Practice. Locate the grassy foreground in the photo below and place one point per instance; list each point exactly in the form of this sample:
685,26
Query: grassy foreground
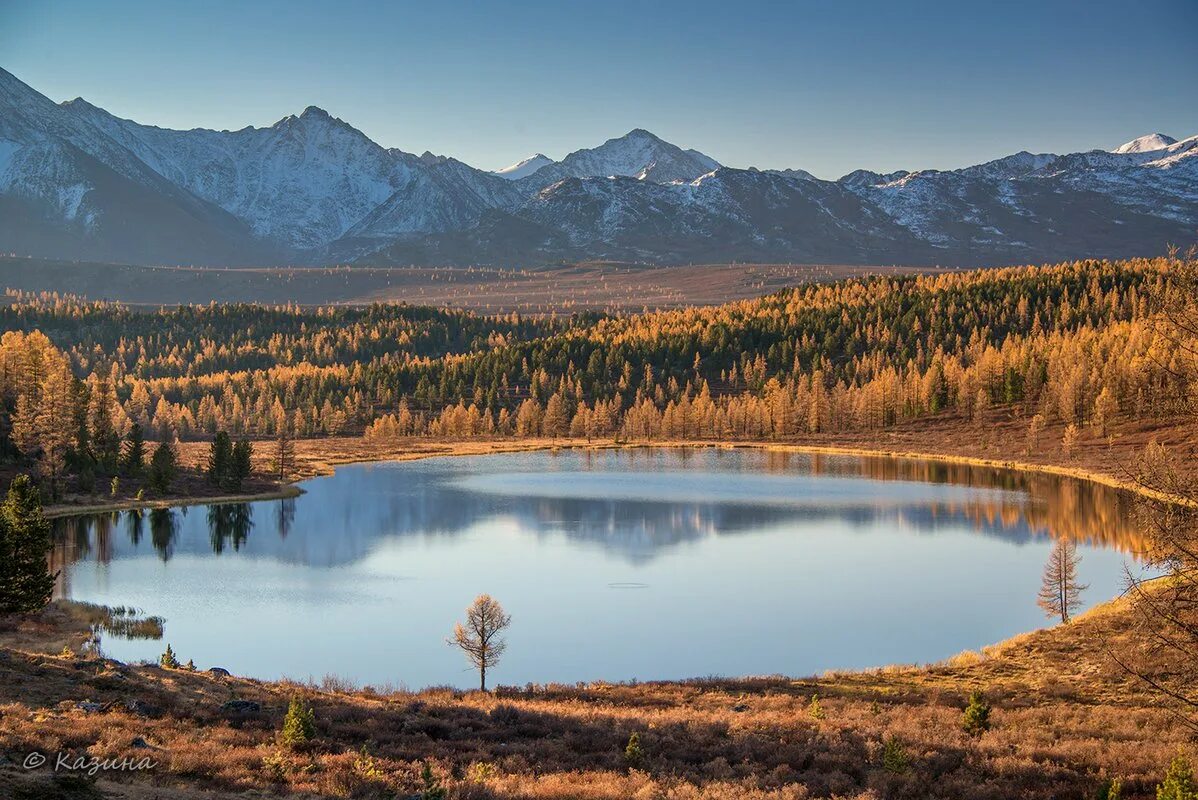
1065,717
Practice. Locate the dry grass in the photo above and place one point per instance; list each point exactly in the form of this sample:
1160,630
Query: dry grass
1065,716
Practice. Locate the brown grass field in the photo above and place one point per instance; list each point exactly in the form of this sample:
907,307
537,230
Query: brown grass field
1066,715
561,289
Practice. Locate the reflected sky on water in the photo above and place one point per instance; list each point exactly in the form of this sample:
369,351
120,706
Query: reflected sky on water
616,564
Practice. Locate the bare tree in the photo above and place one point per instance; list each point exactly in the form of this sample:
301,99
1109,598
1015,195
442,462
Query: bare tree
284,461
1060,593
1165,596
479,637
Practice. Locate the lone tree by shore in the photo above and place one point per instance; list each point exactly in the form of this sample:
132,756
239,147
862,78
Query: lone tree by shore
1060,593
26,583
479,637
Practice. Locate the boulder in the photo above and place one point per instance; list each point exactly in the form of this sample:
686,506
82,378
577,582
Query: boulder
240,707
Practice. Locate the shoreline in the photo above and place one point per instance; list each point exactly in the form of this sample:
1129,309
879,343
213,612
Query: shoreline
417,449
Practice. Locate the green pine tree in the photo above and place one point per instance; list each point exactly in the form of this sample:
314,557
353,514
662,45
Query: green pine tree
1179,781
634,754
976,719
164,467
242,464
220,459
133,457
433,790
299,726
26,583
894,756
167,660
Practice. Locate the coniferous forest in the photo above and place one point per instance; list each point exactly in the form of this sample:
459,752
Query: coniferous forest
1075,344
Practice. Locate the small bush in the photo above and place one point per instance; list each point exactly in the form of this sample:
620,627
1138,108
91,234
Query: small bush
480,772
168,660
815,709
976,720
634,754
367,768
1111,789
433,790
894,756
299,726
275,766
1179,781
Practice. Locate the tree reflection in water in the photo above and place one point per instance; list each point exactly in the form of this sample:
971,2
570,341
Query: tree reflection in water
345,515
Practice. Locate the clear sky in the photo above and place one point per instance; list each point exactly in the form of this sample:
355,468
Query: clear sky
826,86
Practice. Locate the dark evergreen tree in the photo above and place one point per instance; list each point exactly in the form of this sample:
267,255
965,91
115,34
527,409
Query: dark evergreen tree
242,464
26,582
220,460
133,459
164,467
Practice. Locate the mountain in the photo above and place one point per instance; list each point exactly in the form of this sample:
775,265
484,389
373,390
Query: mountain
522,169
79,182
637,154
1146,144
68,189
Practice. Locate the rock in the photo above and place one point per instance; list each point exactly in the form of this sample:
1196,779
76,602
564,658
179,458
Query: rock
140,708
240,707
141,744
89,707
219,672
740,707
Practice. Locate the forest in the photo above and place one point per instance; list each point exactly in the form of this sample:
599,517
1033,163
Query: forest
1074,343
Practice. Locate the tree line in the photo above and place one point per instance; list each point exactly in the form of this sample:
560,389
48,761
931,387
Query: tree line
1075,343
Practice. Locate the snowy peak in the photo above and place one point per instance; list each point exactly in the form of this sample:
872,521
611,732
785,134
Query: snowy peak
524,168
1145,144
637,154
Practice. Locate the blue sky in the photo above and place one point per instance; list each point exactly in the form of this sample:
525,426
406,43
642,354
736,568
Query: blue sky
826,86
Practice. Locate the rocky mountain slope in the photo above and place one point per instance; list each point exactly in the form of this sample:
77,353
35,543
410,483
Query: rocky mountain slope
77,181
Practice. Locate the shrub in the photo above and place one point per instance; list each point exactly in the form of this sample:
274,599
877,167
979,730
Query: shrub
894,756
1111,789
115,486
1179,781
976,719
480,771
634,754
168,660
299,726
433,790
815,709
275,766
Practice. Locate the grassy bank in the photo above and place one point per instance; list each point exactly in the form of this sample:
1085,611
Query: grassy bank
1064,718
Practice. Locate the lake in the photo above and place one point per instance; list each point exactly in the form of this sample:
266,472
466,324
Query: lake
614,565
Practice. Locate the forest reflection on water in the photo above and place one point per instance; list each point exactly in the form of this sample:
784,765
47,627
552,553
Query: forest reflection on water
1020,505
615,518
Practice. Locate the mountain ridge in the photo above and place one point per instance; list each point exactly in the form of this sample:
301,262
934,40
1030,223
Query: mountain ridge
78,181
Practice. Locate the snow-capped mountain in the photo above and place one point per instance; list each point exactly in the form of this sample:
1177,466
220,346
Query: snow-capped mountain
79,182
524,168
69,189
1146,144
637,154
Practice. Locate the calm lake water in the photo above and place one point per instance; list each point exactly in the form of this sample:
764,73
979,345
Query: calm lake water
614,565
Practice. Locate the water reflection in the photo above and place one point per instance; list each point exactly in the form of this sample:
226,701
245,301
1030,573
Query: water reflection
635,503
891,561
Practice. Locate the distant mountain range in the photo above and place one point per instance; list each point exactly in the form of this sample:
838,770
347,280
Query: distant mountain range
78,182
